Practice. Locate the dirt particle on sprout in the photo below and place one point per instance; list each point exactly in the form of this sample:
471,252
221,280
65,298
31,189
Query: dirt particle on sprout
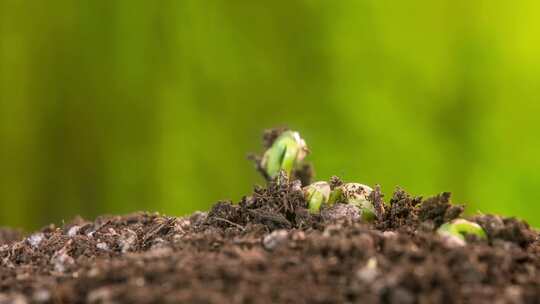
335,182
340,211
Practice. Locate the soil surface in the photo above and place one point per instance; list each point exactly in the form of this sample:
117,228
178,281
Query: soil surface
269,249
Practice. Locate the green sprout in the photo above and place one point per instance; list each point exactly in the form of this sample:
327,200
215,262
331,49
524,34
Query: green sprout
458,228
317,194
286,153
336,196
357,195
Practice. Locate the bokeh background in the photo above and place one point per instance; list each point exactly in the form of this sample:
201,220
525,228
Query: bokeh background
117,106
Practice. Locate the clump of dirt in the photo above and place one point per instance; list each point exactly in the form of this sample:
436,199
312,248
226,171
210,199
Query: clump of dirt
507,229
279,206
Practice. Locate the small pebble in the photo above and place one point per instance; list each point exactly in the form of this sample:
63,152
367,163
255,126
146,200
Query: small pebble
35,239
389,234
159,243
73,231
298,235
127,240
100,295
453,241
62,260
198,217
275,239
369,272
41,296
102,246
296,185
513,295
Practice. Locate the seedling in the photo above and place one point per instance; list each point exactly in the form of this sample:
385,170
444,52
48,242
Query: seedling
357,195
336,196
459,228
317,194
286,153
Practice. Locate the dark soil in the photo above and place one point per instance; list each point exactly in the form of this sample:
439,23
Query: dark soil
269,249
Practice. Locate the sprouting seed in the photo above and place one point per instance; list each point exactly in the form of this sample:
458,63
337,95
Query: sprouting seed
458,228
357,195
317,194
286,153
336,195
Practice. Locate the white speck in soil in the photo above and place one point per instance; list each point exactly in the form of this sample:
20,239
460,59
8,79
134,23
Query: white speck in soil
275,239
41,296
513,294
198,217
73,231
100,295
389,234
35,239
61,260
453,241
298,236
127,240
102,246
369,272
158,243
296,186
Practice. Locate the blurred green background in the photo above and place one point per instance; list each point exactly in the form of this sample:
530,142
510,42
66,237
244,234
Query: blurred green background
118,106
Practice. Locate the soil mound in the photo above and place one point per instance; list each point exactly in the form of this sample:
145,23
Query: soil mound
269,249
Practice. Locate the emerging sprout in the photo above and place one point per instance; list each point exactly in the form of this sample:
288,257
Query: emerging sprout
357,195
336,195
316,194
286,153
458,228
